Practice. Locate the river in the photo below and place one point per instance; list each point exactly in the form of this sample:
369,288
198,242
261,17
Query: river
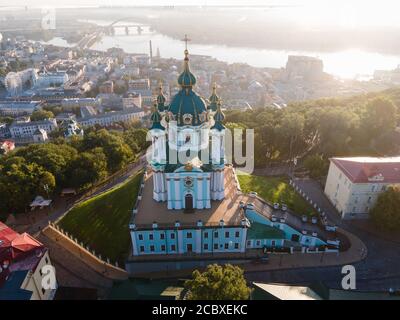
347,64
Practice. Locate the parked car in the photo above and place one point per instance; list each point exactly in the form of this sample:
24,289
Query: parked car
276,205
253,194
284,207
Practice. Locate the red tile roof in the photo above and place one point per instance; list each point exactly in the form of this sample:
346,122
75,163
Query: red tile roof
370,169
18,251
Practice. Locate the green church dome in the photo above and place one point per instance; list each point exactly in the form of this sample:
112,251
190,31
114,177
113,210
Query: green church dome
156,120
214,99
186,78
161,99
187,107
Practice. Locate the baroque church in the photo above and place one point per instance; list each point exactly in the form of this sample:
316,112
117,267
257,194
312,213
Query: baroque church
187,156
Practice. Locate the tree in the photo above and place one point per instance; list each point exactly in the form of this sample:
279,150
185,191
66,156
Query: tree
88,168
379,117
316,165
116,150
386,212
218,283
54,158
20,182
136,139
41,115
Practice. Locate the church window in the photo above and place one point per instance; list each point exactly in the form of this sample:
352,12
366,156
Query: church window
206,246
189,235
151,237
173,248
188,181
172,235
236,245
215,246
226,246
188,138
205,235
216,234
152,248
162,247
140,236
187,118
237,234
226,234
162,236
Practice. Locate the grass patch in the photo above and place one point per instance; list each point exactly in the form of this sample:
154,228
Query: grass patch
102,221
276,189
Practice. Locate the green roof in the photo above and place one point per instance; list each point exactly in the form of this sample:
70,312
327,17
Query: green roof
262,231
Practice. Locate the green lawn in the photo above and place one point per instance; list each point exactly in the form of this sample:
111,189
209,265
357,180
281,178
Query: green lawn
275,189
102,222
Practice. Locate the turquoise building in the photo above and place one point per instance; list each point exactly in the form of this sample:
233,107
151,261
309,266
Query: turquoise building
190,202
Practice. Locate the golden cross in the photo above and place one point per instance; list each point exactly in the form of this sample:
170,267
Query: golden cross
186,39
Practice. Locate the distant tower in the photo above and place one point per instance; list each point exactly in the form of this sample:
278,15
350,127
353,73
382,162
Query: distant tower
151,52
158,53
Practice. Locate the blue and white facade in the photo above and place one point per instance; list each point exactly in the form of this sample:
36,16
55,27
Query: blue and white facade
190,200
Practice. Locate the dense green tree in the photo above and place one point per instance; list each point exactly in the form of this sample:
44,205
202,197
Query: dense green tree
54,158
41,115
20,182
218,283
88,168
379,117
316,165
136,139
118,153
386,212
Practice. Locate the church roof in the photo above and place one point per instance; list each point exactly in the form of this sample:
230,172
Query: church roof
186,78
214,99
218,118
156,119
188,102
161,99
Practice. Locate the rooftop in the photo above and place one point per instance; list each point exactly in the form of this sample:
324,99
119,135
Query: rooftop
228,209
370,169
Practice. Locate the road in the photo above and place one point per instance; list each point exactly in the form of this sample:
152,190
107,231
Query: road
380,270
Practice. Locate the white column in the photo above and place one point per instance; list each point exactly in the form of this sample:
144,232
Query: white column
178,200
199,196
208,195
169,191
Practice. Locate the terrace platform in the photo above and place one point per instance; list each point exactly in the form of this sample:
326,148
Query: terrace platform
228,210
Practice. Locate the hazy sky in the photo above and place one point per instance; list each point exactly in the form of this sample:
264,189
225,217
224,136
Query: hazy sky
342,12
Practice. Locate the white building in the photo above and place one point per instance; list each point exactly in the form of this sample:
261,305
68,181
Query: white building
28,129
51,79
354,184
109,118
18,108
